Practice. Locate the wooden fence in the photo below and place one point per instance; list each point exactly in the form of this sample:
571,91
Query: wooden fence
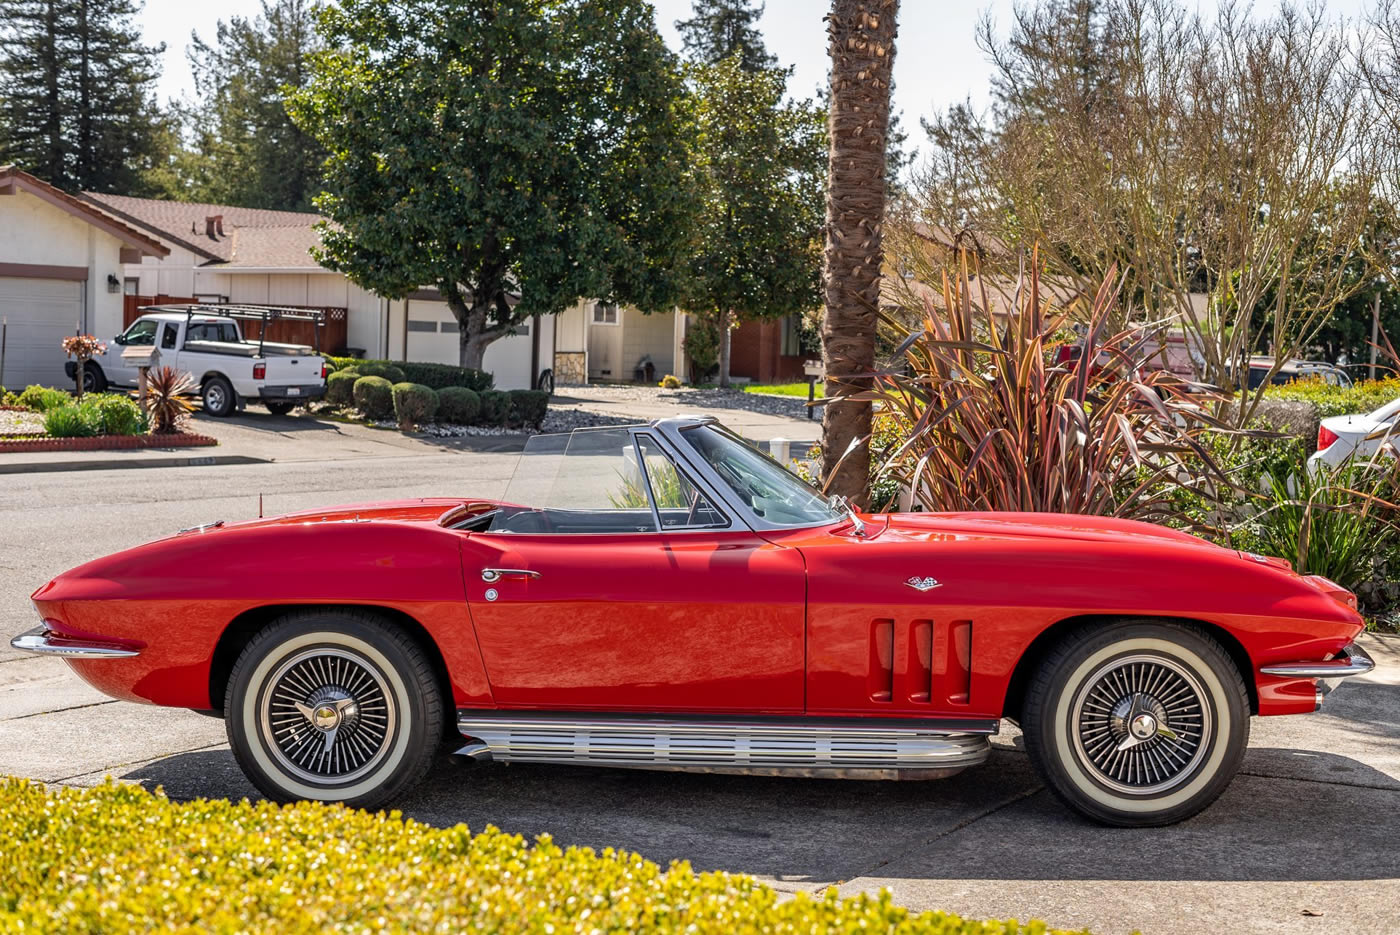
333,332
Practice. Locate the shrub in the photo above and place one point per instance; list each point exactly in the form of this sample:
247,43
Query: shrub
495,407
670,382
458,405
414,403
168,399
380,368
528,407
72,422
118,858
43,398
374,396
340,387
117,414
437,376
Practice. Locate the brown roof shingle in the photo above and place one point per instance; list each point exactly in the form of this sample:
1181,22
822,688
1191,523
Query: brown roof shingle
184,222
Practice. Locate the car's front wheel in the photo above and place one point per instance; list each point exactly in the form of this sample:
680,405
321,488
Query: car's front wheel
334,706
1137,723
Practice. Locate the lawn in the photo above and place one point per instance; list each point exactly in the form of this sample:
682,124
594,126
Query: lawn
784,389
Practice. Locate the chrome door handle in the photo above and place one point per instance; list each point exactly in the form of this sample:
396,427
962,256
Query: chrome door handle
496,574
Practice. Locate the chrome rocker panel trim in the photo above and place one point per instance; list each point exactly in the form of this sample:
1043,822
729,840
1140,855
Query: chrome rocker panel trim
45,642
1353,660
764,748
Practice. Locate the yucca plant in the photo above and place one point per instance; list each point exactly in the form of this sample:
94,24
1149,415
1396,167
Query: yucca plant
993,422
168,399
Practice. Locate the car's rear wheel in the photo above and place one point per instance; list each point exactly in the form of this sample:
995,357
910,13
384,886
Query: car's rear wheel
1137,723
334,706
218,396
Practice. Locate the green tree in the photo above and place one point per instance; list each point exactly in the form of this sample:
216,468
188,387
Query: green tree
760,173
723,28
77,94
252,153
518,156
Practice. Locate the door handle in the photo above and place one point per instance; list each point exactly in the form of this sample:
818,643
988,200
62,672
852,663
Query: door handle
496,574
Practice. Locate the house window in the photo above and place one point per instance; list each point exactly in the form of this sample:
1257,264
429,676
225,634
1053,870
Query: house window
414,325
604,314
131,286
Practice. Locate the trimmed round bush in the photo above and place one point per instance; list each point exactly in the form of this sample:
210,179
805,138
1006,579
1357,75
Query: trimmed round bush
118,858
117,414
44,398
528,407
340,387
73,422
374,396
438,376
379,368
458,405
495,407
414,403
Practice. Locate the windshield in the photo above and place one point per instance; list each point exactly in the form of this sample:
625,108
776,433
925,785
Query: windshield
764,485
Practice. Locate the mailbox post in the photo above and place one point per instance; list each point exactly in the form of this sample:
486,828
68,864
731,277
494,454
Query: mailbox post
143,358
815,370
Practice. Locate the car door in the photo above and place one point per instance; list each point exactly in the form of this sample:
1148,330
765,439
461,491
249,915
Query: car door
142,333
635,593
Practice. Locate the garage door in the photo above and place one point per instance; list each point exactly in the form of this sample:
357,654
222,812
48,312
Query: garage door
41,313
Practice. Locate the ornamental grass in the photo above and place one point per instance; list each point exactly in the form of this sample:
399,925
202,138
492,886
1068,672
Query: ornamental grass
118,859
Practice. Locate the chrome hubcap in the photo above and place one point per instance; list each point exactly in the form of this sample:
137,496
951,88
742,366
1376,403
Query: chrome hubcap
328,715
1140,724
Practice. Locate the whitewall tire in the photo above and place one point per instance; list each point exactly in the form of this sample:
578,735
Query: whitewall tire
1137,723
333,706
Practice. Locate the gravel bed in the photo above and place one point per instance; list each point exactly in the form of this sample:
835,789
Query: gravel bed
14,422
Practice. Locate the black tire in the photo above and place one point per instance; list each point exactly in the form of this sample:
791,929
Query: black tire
94,380
280,409
1137,723
219,398
286,706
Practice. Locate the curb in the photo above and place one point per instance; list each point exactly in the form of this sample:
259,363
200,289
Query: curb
45,444
112,464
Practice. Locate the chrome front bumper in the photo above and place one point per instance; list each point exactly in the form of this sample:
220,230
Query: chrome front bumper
1352,660
45,642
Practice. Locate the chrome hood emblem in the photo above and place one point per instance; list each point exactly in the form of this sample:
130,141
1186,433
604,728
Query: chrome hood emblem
923,584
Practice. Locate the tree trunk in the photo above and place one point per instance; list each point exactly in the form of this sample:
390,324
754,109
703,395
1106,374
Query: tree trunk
862,36
473,335
724,347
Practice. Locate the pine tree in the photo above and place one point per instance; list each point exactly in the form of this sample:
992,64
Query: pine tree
77,86
721,28
252,153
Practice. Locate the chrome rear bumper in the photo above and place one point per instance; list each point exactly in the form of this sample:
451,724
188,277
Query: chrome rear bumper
45,642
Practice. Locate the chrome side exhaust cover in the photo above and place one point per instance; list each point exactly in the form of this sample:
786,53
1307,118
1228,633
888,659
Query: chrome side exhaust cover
763,748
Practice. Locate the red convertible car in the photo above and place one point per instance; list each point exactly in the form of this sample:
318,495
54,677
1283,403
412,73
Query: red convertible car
664,596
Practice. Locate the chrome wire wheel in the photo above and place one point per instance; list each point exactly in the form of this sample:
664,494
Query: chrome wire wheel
327,715
1141,724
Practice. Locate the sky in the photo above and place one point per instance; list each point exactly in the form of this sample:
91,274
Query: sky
937,62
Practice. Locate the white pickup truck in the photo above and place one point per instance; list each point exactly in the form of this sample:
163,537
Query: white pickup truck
209,345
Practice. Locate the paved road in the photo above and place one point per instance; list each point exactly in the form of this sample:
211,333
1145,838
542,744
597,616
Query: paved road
1311,826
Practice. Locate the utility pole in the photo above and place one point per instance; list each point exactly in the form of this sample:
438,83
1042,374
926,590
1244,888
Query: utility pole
1375,329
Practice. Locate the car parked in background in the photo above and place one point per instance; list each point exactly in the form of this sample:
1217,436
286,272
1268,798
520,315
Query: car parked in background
207,342
1357,436
1292,370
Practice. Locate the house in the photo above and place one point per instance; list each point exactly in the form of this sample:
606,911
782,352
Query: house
61,263
223,253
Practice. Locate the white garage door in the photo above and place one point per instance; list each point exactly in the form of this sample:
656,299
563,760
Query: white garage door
41,313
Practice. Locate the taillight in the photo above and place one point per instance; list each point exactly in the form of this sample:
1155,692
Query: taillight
1325,438
325,371
259,371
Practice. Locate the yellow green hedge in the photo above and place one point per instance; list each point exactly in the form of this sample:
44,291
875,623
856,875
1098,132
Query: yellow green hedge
118,859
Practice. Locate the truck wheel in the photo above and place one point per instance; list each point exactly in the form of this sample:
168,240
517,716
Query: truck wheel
219,400
333,706
280,409
94,380
1138,723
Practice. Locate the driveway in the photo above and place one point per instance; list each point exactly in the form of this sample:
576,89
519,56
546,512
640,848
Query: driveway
1304,841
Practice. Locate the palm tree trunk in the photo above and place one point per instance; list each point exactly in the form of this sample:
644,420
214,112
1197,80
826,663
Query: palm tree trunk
862,36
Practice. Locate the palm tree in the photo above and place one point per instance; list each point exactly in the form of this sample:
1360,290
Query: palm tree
862,58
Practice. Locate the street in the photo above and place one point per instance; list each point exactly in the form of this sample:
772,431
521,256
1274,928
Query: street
1304,841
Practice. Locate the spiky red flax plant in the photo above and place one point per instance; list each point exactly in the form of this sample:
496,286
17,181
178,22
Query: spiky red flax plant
995,420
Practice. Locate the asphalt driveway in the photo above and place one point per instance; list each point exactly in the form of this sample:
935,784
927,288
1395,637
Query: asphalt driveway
1304,841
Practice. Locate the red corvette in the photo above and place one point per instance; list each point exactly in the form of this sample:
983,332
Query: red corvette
664,596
